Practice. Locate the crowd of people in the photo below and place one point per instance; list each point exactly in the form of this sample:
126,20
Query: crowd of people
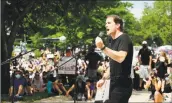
49,74
153,72
56,73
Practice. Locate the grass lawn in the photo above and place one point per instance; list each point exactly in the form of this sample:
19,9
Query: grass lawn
28,99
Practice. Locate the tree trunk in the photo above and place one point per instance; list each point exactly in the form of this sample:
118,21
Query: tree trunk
5,75
7,46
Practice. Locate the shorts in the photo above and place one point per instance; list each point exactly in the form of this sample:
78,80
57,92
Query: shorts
143,71
54,91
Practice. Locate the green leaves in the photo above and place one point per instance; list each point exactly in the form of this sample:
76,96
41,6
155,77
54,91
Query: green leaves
80,35
78,21
156,22
36,39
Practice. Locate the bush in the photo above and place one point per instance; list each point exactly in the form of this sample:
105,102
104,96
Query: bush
37,53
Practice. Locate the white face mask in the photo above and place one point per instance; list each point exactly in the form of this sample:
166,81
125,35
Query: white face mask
18,76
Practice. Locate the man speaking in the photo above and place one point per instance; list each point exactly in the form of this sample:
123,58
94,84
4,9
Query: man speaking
120,51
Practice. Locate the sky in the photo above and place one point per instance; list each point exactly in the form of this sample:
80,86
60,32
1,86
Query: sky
138,7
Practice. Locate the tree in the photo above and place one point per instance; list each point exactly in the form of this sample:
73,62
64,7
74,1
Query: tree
77,23
13,12
156,22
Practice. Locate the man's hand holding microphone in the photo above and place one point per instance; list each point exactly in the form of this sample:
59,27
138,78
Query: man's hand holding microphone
99,44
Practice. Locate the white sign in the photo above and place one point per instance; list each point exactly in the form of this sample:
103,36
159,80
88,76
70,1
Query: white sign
102,93
67,68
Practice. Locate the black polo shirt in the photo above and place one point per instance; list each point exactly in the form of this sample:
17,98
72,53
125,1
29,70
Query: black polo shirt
145,53
122,43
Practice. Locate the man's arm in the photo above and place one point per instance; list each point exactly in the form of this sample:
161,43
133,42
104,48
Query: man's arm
150,60
139,59
118,56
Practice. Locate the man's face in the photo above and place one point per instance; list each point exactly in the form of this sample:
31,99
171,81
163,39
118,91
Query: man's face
111,27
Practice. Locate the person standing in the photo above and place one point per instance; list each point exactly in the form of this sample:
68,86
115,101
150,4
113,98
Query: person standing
93,59
145,60
120,51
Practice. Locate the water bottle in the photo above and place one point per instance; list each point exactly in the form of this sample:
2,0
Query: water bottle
67,79
67,82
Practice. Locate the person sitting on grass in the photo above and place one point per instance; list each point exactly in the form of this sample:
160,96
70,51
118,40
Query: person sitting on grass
78,86
37,83
28,89
90,89
54,86
82,89
19,84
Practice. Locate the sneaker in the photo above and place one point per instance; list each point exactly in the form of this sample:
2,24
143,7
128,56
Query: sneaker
18,97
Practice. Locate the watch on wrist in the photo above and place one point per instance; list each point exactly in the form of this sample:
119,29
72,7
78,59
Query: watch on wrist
103,48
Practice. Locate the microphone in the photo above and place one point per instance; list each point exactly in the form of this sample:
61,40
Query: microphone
104,37
101,34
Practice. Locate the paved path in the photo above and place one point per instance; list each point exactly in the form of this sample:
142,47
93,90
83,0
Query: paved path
137,96
143,96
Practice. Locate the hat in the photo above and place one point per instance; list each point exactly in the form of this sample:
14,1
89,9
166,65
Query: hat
68,48
144,42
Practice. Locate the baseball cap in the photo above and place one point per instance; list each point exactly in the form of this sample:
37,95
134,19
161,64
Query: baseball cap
144,42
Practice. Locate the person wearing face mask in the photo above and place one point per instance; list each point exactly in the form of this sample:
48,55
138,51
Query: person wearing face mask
145,60
19,84
161,67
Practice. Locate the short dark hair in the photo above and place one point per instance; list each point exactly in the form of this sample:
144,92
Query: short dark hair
88,80
117,20
18,71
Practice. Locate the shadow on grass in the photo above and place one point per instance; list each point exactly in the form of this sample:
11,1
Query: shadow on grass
29,99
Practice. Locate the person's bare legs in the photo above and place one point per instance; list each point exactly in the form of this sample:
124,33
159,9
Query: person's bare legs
11,91
20,90
163,84
140,85
64,89
42,89
158,97
55,86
